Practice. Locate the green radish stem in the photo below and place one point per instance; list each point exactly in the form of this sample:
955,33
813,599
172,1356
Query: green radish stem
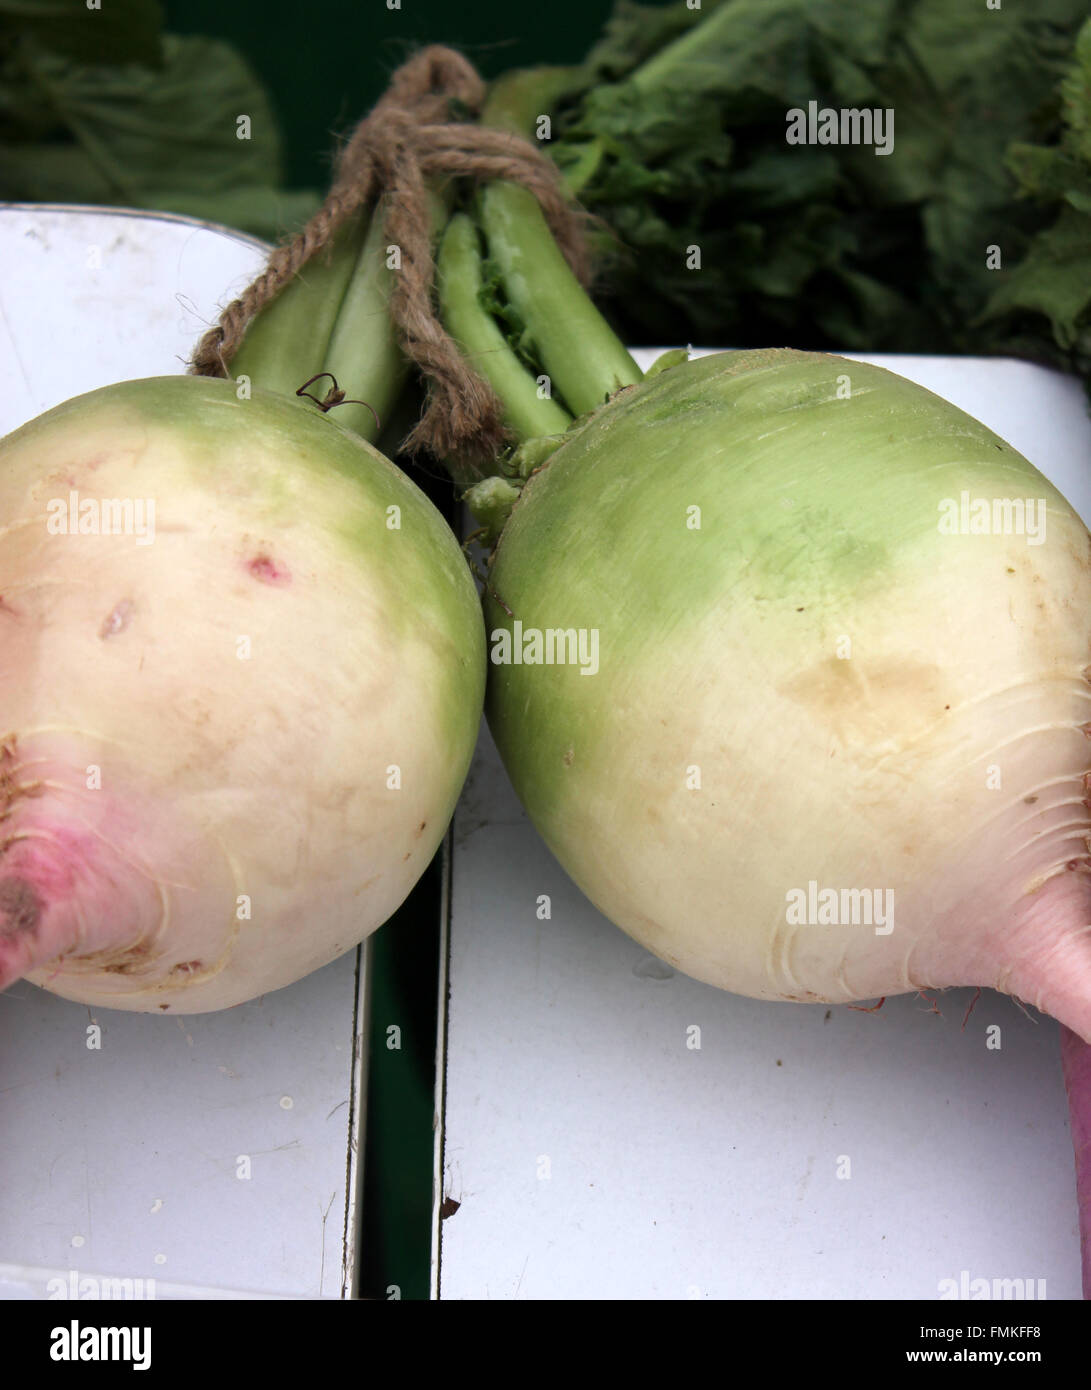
518,99
460,283
584,358
662,69
363,351
286,342
334,317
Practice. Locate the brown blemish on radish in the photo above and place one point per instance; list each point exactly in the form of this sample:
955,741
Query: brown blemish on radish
20,909
266,570
6,607
185,967
129,960
117,620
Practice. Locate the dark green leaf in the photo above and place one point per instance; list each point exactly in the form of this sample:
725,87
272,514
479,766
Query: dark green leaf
166,139
681,143
117,31
1055,278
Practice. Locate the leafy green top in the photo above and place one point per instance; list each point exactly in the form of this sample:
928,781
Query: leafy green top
674,131
102,107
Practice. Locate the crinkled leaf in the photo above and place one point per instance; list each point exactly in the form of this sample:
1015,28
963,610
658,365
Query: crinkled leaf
682,143
137,125
635,32
165,139
1045,172
1054,278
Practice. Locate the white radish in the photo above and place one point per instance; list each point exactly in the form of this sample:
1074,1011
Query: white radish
241,671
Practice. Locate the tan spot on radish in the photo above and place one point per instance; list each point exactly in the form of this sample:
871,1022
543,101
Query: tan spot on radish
128,960
857,700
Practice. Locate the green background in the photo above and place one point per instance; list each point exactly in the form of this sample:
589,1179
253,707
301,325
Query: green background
324,69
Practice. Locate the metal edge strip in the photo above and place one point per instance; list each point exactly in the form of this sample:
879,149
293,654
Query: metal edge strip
357,1122
441,1064
148,214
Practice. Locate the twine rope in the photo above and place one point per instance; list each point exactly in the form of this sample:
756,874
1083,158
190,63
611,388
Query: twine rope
409,137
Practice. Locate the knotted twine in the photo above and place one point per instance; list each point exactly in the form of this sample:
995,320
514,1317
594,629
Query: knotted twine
408,137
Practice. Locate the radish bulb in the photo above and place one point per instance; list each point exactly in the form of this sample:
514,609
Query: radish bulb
241,676
790,659
831,747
